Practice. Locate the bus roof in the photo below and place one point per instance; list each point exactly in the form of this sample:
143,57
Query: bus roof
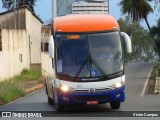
85,23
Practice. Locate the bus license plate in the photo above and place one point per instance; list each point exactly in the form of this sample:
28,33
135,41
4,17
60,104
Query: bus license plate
92,102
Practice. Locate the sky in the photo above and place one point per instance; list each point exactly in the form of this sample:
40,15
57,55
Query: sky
43,9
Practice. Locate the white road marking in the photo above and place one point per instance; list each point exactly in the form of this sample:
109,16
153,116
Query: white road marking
145,85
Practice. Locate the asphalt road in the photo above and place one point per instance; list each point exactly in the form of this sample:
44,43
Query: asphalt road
136,99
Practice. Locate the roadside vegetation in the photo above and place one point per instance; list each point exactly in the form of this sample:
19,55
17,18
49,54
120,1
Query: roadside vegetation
142,43
145,43
14,88
28,75
10,90
155,73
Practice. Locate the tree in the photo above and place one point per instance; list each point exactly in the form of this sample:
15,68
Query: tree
137,10
142,44
9,4
155,31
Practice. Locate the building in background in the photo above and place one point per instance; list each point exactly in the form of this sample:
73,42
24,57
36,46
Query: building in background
90,7
65,7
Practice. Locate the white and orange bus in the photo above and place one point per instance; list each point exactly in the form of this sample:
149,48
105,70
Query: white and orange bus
88,61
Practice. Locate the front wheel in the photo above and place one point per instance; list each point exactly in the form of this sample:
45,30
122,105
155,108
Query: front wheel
115,105
50,101
59,108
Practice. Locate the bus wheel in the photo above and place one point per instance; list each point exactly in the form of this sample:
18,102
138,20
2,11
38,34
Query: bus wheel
59,108
115,105
46,87
50,101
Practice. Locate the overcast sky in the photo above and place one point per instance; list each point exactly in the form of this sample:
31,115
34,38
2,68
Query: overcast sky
43,9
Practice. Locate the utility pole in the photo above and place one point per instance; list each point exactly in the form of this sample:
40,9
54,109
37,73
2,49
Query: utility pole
15,16
54,9
54,12
108,7
67,7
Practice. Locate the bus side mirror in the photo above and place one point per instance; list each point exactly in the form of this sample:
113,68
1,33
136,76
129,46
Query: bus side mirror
51,47
128,42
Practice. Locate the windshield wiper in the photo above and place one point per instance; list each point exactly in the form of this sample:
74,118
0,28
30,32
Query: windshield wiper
91,61
98,67
80,69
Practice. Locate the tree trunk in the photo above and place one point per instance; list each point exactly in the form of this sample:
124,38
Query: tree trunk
147,24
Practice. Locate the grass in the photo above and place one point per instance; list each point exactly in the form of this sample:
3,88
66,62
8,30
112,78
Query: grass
155,73
12,89
28,75
9,91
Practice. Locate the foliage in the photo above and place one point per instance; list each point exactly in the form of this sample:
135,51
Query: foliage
136,9
155,31
155,71
142,44
9,4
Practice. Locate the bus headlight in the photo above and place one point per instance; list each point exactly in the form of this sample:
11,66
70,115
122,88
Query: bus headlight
118,85
64,88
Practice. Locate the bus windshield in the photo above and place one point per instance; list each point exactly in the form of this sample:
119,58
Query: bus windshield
89,55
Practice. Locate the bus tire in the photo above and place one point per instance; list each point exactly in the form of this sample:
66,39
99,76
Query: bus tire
50,101
59,108
115,105
46,90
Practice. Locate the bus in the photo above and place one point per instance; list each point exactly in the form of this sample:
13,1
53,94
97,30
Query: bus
87,54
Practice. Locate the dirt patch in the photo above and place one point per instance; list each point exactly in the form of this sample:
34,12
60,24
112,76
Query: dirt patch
29,84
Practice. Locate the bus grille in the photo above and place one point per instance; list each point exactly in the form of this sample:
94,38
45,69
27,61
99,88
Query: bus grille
87,90
91,98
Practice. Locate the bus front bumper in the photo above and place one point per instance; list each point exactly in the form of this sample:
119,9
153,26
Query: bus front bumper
116,95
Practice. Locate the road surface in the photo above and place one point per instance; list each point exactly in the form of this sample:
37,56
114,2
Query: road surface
136,99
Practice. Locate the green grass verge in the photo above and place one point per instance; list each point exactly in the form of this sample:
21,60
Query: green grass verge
156,71
12,89
9,91
27,75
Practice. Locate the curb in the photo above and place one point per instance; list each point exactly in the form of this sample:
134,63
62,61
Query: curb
32,89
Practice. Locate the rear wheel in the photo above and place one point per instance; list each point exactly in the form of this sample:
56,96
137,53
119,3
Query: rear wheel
115,105
50,101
